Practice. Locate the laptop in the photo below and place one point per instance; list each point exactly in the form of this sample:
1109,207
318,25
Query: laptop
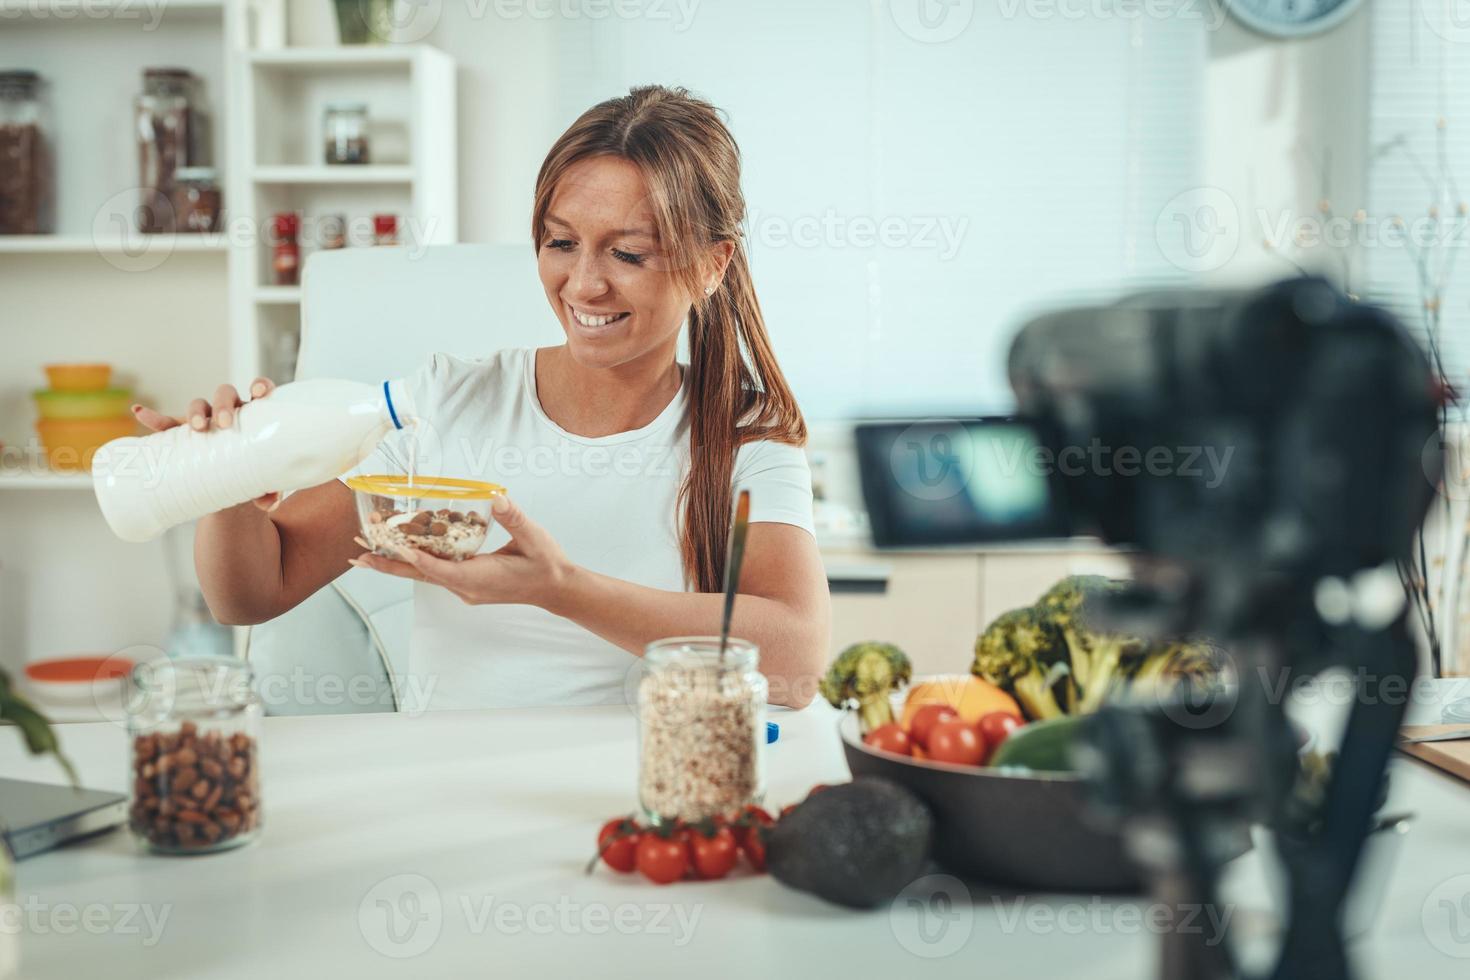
36,817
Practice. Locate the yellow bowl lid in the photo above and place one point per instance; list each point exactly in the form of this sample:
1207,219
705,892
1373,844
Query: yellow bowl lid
437,487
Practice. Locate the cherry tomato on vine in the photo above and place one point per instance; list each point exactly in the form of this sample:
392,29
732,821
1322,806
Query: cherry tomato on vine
662,859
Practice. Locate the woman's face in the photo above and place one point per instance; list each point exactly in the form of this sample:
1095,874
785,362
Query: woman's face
601,265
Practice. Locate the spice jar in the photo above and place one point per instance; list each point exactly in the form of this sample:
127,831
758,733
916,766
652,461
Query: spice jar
194,725
286,258
25,179
197,202
702,727
345,131
333,232
164,126
385,229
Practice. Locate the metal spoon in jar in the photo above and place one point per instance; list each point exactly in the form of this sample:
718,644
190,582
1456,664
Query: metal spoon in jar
734,555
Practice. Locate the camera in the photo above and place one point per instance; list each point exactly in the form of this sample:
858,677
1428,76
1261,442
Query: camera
1266,458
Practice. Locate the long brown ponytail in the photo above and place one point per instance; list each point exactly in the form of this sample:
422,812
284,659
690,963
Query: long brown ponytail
691,165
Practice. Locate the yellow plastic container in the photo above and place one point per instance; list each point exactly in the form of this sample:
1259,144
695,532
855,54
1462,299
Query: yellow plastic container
71,443
79,377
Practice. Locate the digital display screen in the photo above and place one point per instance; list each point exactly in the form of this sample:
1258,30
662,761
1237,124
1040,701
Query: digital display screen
957,481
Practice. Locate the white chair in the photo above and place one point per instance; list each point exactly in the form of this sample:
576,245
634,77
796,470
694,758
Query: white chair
371,314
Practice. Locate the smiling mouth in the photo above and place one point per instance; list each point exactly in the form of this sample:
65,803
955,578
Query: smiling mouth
595,320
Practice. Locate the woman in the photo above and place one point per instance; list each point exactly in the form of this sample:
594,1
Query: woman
621,539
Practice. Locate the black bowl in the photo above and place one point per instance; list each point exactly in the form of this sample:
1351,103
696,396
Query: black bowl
1022,831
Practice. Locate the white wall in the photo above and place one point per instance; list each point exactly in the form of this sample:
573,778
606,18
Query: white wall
1278,115
522,80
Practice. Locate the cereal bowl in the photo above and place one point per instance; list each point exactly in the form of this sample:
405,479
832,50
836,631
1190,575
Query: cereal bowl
443,517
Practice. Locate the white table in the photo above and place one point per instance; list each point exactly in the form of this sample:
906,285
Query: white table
473,827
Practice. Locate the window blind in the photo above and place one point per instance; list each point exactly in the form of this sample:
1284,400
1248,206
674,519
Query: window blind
912,194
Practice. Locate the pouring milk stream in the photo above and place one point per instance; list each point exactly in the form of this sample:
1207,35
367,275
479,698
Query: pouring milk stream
301,435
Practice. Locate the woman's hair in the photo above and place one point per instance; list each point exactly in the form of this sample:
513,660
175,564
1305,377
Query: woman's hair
691,166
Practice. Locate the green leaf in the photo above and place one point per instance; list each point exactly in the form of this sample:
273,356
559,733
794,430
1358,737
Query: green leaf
34,728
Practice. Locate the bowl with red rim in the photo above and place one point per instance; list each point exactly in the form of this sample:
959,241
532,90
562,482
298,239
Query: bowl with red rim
78,679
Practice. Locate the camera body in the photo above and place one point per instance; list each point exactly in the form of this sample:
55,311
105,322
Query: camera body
1266,457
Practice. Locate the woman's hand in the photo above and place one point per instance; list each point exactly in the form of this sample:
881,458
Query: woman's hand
531,568
219,414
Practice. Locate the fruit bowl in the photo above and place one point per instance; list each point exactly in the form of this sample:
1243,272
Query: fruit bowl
1023,830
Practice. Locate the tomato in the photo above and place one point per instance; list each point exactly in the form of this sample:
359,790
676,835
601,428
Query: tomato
924,721
714,855
662,859
753,846
891,738
750,816
996,727
616,842
954,740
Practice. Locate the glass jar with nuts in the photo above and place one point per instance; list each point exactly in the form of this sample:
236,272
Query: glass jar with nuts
702,729
194,725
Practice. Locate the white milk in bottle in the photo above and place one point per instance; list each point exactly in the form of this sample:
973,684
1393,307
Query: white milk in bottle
301,435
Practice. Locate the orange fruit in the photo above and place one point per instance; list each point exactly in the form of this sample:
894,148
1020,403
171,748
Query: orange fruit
972,697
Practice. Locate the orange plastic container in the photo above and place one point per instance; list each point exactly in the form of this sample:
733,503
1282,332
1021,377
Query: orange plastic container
71,443
79,377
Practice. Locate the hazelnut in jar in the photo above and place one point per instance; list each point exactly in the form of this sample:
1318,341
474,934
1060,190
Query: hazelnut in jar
194,729
702,729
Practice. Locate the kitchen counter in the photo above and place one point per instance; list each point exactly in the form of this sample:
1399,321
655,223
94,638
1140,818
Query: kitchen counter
452,844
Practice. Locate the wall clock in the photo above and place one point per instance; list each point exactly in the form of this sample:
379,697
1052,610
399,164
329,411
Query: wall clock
1291,18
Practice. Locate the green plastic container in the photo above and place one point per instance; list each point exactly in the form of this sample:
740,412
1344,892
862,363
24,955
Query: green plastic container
110,403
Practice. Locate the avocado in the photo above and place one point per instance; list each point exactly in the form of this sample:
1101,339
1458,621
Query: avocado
1045,746
858,844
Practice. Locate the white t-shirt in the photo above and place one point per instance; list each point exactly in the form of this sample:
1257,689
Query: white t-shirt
610,502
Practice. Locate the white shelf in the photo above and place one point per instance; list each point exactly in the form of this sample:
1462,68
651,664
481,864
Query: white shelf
346,58
85,244
39,478
340,174
278,295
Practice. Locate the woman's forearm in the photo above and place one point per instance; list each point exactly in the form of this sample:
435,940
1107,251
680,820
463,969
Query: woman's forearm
237,554
793,641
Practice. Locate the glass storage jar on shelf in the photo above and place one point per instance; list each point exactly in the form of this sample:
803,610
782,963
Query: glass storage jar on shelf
165,132
702,729
345,128
25,177
197,201
194,728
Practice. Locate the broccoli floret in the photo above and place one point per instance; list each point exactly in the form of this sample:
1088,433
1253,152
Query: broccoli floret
1191,661
1096,656
868,674
1020,654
